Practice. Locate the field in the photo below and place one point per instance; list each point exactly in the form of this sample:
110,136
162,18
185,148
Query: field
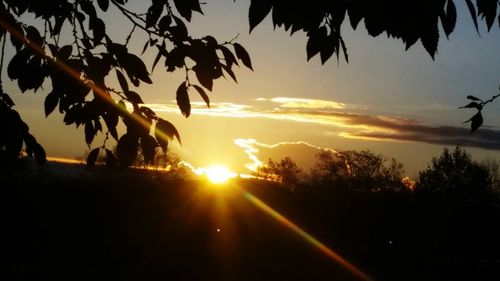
133,226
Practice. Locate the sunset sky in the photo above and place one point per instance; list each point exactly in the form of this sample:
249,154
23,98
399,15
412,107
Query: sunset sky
401,104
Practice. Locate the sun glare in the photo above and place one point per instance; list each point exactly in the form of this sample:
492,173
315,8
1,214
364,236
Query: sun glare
218,174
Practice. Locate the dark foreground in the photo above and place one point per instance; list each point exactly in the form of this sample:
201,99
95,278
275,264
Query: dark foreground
126,227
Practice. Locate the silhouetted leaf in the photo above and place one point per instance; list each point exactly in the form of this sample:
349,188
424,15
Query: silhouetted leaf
472,11
203,95
230,72
148,112
103,4
51,101
228,56
164,23
34,36
449,21
89,132
65,52
315,41
183,100
30,142
98,29
259,9
92,157
133,97
242,54
175,58
473,98
344,49
161,52
110,159
127,149
476,121
122,81
165,132
17,64
111,120
135,68
39,152
148,147
204,75
154,13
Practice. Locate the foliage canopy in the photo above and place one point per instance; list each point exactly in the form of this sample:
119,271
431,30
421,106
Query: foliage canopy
79,64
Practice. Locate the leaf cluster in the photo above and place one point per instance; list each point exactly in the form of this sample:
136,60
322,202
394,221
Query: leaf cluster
80,70
409,21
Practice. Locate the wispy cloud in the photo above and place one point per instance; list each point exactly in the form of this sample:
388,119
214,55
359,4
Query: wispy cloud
307,103
348,124
253,147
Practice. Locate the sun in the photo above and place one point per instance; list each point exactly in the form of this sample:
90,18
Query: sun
218,173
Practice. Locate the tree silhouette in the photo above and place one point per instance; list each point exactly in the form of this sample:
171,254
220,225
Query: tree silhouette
358,170
454,171
284,171
80,67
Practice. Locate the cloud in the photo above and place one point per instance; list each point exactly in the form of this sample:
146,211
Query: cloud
348,124
302,152
307,103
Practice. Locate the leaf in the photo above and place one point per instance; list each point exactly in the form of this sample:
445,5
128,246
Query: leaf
473,105
127,149
473,14
148,147
89,132
148,112
203,95
103,4
110,158
230,72
135,67
30,142
315,41
51,101
111,120
98,29
17,64
65,52
183,100
154,13
473,98
259,9
92,158
122,81
204,75
449,21
165,132
164,23
39,152
161,52
476,121
228,56
242,54
34,36
133,97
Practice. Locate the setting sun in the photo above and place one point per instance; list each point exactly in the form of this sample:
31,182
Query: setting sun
218,173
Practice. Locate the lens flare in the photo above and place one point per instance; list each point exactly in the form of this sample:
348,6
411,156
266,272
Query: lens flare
307,237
